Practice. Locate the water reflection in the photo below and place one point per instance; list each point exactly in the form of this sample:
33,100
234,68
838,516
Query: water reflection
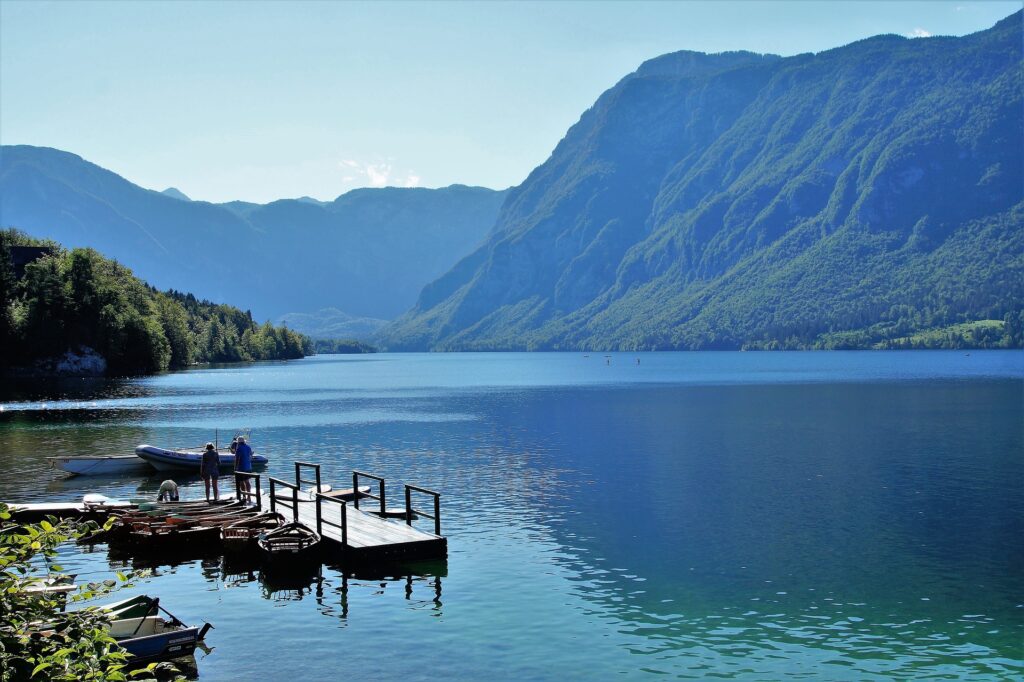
691,519
419,582
807,527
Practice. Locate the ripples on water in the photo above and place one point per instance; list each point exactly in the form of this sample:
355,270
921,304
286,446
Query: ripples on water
816,515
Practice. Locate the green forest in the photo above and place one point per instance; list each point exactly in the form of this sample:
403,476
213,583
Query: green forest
69,300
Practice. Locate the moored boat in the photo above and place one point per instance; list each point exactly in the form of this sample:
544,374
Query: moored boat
163,459
165,536
127,520
102,465
149,637
290,544
242,535
177,529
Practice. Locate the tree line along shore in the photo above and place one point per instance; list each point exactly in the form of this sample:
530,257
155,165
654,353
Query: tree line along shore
76,312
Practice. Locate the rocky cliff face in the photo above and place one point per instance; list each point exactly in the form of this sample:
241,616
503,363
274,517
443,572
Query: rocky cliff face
714,200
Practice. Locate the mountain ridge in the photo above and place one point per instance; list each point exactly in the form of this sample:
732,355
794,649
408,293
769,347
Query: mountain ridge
369,253
686,193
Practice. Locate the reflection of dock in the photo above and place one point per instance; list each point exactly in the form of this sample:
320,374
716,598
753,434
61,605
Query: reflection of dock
361,534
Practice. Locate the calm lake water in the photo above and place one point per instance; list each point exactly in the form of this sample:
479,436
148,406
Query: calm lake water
739,515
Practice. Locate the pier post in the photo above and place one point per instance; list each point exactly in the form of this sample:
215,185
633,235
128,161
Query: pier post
437,514
344,524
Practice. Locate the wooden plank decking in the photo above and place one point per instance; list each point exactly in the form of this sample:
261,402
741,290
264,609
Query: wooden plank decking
369,536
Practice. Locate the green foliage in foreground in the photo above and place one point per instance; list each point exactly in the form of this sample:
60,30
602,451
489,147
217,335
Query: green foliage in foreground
341,347
78,298
38,639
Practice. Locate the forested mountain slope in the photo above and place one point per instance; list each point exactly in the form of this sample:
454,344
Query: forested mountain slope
839,199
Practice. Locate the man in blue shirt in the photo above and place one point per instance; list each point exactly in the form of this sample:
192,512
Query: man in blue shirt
243,463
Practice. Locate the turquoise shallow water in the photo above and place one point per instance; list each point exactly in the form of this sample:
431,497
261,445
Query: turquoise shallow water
737,515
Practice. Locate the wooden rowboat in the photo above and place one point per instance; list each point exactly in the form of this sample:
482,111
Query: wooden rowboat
123,525
290,544
242,535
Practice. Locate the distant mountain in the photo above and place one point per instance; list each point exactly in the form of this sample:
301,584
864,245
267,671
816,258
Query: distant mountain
311,200
175,193
839,199
368,253
331,323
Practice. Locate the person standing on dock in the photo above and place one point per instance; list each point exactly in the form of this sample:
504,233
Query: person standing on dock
243,464
209,469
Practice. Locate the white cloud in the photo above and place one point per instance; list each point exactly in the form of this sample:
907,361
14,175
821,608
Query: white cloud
920,33
380,174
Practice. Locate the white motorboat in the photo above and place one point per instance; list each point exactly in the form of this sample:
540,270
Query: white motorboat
103,465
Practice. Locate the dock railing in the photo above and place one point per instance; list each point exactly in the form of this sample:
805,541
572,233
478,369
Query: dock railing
276,501
355,490
299,480
248,495
321,521
410,511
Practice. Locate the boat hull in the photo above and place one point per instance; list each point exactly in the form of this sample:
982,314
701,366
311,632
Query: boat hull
101,466
290,546
163,459
162,646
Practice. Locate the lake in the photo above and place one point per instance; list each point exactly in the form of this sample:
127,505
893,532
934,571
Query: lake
831,515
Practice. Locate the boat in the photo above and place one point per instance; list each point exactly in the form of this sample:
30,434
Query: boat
290,544
101,465
132,607
176,530
242,535
143,537
347,494
138,628
163,459
55,587
148,637
127,520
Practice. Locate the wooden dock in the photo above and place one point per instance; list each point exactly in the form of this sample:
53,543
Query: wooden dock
360,534
371,532
371,537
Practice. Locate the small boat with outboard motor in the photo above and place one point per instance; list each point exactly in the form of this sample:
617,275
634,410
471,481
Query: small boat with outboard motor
139,629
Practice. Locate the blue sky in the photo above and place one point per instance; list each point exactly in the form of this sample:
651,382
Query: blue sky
264,100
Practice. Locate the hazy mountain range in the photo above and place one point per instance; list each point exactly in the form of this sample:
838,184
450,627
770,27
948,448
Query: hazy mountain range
369,252
718,201
838,199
